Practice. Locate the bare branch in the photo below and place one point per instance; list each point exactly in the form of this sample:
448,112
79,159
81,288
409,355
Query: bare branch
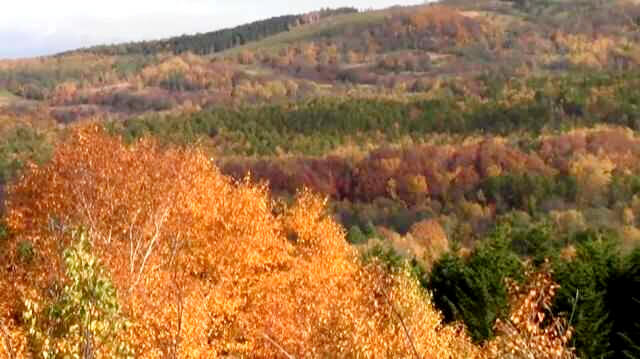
404,327
154,239
275,344
133,252
406,330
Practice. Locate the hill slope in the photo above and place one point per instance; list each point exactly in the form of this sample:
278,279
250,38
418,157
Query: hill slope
219,40
461,143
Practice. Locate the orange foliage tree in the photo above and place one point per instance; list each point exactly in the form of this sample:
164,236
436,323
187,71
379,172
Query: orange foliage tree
446,21
532,331
206,267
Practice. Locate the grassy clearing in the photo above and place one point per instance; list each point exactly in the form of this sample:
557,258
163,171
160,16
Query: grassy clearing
326,27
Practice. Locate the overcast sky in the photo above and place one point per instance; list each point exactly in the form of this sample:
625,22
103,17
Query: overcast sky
40,27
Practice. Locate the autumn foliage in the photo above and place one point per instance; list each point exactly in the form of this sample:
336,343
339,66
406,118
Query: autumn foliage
531,331
207,267
426,127
446,22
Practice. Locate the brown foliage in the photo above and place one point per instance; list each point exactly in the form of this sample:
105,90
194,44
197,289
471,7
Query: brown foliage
531,331
620,145
444,168
417,172
432,236
445,21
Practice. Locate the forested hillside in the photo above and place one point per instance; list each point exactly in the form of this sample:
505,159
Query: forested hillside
220,40
457,179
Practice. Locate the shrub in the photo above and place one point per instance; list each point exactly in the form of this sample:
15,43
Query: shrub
355,235
532,329
83,320
19,146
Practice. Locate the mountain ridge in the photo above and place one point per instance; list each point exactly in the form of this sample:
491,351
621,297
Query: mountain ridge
217,40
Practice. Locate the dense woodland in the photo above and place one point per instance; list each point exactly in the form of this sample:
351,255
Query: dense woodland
450,180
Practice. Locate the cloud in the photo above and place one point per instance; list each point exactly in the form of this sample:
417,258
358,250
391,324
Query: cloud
26,44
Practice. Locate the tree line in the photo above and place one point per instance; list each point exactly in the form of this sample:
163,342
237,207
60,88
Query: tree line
220,40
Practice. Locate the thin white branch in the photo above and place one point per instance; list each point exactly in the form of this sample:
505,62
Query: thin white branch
275,344
154,239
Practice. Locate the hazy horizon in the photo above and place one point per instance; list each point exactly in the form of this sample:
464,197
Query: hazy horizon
32,28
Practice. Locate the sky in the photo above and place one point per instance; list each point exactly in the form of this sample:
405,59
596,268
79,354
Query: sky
40,27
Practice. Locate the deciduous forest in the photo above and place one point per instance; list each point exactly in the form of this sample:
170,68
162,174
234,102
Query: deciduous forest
459,179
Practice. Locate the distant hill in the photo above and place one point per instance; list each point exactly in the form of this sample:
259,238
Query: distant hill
465,49
219,40
506,133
